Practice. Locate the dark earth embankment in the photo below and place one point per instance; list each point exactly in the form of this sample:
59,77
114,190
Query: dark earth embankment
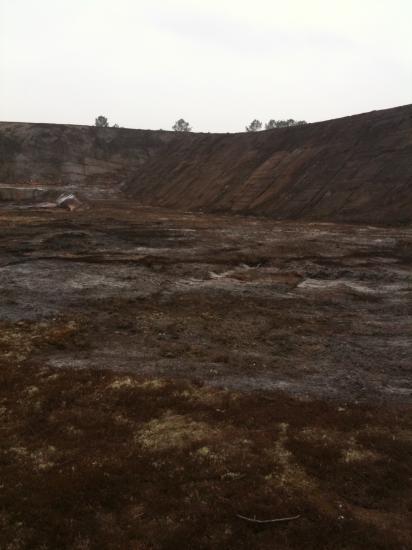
353,169
90,159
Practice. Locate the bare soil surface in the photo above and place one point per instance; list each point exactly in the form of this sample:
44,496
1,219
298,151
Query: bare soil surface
162,373
317,309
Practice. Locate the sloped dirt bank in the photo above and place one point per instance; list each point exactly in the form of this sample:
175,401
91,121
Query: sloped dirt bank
353,169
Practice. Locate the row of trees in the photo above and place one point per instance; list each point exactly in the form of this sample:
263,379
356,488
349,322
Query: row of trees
182,126
179,126
256,124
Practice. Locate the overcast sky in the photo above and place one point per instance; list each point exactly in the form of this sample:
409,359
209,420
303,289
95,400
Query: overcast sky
216,63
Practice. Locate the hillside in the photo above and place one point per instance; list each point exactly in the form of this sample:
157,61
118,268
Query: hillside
356,169
85,157
353,169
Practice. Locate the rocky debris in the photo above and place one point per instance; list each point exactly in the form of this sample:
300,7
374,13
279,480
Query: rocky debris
69,201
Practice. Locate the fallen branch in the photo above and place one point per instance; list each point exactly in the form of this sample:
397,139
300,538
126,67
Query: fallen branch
276,520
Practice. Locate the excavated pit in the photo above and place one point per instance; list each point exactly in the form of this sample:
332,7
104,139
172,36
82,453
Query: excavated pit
163,372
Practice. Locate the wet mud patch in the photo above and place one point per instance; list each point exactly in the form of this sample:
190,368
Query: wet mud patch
40,288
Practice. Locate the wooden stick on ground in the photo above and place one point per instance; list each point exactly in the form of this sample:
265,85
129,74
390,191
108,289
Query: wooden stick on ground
276,520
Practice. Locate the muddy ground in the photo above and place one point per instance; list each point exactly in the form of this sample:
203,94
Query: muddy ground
164,372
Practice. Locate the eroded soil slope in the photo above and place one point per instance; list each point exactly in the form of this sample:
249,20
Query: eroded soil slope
353,169
92,160
163,373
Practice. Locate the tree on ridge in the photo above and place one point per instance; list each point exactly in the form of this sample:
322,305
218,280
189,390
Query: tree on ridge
181,126
101,121
254,126
283,123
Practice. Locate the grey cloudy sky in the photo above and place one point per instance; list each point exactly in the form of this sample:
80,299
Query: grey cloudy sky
217,63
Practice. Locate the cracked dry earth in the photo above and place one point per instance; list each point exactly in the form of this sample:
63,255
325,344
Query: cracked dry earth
163,373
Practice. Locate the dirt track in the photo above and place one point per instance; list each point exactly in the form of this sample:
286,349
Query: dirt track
162,373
